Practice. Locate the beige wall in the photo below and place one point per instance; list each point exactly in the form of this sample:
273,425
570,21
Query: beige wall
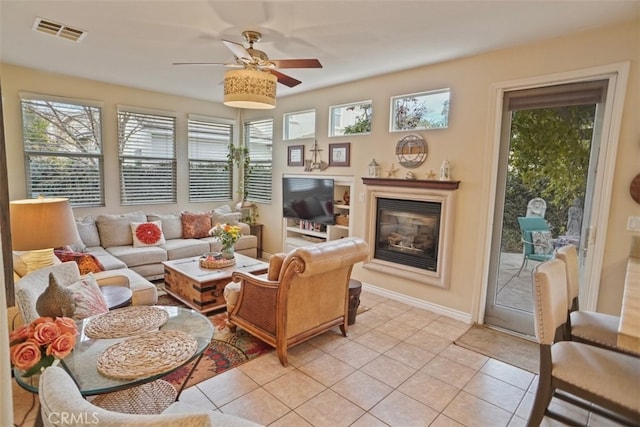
464,144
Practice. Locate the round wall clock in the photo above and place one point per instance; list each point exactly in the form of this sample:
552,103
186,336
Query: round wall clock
634,188
411,151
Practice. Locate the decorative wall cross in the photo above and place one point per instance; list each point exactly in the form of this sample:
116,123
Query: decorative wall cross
310,165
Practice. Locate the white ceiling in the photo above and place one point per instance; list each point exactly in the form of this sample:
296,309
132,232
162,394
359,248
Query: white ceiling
134,42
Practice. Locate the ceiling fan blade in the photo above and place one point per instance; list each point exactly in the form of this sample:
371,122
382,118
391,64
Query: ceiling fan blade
238,50
284,79
296,63
208,63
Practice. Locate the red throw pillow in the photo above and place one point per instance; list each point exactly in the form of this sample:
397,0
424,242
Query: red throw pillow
195,225
87,263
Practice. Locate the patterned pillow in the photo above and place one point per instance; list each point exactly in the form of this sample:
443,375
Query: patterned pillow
88,298
147,234
87,263
195,225
542,242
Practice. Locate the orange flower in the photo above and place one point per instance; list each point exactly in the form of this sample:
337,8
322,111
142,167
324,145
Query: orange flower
62,346
66,325
19,335
26,354
41,320
45,333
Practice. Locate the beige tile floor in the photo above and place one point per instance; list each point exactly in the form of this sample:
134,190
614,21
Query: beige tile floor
398,367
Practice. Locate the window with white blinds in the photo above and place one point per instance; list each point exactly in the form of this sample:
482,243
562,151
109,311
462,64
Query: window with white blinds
258,137
63,150
147,148
210,178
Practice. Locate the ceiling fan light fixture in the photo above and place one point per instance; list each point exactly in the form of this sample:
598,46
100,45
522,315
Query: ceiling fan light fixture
251,89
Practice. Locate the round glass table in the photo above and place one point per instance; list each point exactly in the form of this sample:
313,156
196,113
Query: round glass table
81,363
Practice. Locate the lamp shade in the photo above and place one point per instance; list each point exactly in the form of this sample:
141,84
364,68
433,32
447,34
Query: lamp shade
41,224
251,89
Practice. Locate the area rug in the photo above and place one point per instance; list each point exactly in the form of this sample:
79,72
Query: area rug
498,345
226,350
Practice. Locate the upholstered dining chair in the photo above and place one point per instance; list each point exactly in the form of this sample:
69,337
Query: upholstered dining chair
61,404
608,379
586,326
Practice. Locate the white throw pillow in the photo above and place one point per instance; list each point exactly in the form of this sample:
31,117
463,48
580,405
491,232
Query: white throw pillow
88,298
147,234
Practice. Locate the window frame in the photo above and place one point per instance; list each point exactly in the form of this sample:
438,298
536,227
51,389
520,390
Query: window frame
141,193
260,189
96,130
216,192
286,128
333,130
393,108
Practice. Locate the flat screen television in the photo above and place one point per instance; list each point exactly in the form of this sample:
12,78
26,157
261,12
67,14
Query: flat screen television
308,199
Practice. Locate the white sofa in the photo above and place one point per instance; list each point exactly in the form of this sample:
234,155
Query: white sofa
110,240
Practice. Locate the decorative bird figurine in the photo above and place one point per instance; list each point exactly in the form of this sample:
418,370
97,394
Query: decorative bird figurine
55,301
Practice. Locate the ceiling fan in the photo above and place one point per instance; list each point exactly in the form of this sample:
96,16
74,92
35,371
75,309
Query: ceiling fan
254,59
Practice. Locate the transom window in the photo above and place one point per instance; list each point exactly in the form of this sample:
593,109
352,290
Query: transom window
210,178
350,119
424,110
63,149
147,148
298,125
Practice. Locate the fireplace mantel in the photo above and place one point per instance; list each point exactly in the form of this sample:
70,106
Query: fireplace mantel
412,183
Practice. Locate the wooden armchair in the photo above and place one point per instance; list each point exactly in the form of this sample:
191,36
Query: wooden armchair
305,297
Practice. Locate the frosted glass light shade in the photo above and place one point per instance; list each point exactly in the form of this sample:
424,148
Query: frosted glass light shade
41,224
250,89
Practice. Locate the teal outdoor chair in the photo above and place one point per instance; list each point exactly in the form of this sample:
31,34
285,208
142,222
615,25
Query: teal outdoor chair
537,244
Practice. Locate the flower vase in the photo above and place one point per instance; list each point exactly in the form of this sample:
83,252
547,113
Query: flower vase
228,252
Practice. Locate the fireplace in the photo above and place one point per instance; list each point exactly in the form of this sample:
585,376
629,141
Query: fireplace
410,228
407,232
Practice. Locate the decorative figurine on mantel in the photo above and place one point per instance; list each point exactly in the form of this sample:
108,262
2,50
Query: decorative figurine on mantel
445,171
374,169
391,172
431,175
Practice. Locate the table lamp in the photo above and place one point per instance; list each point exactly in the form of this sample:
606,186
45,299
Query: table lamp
39,225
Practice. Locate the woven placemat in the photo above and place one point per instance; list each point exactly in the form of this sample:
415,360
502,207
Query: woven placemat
126,322
146,355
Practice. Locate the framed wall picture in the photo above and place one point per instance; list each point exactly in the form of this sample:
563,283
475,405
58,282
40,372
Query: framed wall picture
295,155
339,154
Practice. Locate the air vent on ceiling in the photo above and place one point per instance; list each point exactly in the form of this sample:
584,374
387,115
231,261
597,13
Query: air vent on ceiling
58,30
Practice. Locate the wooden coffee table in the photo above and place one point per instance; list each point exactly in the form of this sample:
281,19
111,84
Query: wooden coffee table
202,288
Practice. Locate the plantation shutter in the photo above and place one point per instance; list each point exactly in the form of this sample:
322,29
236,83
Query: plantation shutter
63,149
147,158
210,178
259,140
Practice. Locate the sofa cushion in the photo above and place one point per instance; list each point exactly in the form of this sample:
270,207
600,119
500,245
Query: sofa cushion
115,230
138,256
88,231
171,224
224,215
108,261
147,233
195,224
185,248
87,263
88,298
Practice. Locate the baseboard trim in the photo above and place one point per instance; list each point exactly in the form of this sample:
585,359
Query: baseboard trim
415,302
